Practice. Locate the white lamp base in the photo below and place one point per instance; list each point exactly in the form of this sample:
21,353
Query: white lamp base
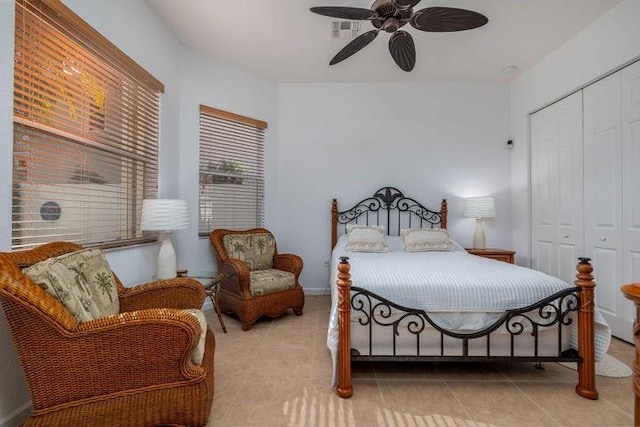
479,239
167,264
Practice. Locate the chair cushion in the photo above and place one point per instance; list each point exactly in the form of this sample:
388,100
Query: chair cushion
198,352
255,249
262,282
82,281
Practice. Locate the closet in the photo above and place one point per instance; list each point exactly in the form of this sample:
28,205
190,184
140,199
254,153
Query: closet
585,189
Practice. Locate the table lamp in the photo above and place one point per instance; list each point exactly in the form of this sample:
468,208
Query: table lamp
479,207
164,216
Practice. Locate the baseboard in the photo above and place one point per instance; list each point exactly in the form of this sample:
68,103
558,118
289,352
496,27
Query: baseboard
316,291
17,417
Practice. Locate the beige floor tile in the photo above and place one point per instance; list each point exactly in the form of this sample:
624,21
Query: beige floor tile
618,392
365,408
498,403
231,361
289,337
282,363
225,391
324,303
568,409
289,319
421,400
313,303
267,402
321,365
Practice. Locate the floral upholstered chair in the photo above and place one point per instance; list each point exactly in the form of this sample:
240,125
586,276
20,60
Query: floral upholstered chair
258,280
95,353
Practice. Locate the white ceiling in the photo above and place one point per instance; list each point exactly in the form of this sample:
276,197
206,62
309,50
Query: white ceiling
285,42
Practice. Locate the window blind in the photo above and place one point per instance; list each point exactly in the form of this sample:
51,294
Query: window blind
231,171
86,125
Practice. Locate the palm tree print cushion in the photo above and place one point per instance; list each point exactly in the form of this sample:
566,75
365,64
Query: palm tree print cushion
256,250
82,281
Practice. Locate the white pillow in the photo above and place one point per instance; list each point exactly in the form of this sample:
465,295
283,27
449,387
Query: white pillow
422,240
362,238
352,226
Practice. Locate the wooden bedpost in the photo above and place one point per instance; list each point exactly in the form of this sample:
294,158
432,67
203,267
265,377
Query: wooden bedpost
586,334
334,223
443,213
632,292
344,388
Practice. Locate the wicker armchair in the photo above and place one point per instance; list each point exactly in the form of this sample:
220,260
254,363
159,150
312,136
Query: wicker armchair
131,369
237,291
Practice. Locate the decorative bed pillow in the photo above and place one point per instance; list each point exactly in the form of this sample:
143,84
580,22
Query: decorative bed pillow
363,238
256,249
380,228
422,240
82,281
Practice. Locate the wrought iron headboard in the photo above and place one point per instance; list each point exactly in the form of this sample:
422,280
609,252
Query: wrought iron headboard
389,207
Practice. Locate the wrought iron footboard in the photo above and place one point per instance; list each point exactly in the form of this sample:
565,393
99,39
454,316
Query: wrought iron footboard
372,311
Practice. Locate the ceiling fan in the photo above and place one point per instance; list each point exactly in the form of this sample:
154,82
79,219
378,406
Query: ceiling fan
390,16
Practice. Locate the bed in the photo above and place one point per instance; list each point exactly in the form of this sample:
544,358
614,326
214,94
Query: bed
445,304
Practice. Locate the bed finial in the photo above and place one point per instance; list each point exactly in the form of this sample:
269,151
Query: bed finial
334,223
444,209
586,350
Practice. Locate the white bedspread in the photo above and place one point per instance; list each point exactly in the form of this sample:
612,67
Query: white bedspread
455,282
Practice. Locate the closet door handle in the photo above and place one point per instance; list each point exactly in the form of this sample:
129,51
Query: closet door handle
603,238
566,236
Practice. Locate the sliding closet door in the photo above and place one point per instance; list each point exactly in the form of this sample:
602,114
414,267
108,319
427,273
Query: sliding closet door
557,187
630,185
603,193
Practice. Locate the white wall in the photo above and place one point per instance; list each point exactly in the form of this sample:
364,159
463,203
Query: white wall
431,141
609,42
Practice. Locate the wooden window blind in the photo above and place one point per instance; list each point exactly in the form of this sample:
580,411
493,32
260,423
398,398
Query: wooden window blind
231,171
86,125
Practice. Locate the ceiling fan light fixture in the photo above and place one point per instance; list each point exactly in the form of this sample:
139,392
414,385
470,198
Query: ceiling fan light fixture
390,16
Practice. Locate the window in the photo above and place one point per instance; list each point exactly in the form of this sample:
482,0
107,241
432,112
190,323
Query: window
231,171
86,124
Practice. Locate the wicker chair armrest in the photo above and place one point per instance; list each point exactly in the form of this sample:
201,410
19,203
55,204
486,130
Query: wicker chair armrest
132,350
19,286
181,292
288,262
236,277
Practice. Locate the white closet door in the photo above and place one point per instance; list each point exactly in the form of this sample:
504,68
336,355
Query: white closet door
603,194
557,189
630,186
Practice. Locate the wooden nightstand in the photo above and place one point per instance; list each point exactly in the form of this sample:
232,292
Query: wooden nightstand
493,253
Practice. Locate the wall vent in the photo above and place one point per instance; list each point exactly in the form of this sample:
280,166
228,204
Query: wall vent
345,29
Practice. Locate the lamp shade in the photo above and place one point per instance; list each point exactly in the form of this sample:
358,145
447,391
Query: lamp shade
479,207
164,215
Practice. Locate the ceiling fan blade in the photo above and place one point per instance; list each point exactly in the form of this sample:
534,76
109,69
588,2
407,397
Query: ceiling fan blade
355,13
354,46
447,19
403,50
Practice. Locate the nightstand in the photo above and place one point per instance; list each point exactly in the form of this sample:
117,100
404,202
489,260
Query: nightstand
493,253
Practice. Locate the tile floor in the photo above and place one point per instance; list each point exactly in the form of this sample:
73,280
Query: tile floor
278,374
